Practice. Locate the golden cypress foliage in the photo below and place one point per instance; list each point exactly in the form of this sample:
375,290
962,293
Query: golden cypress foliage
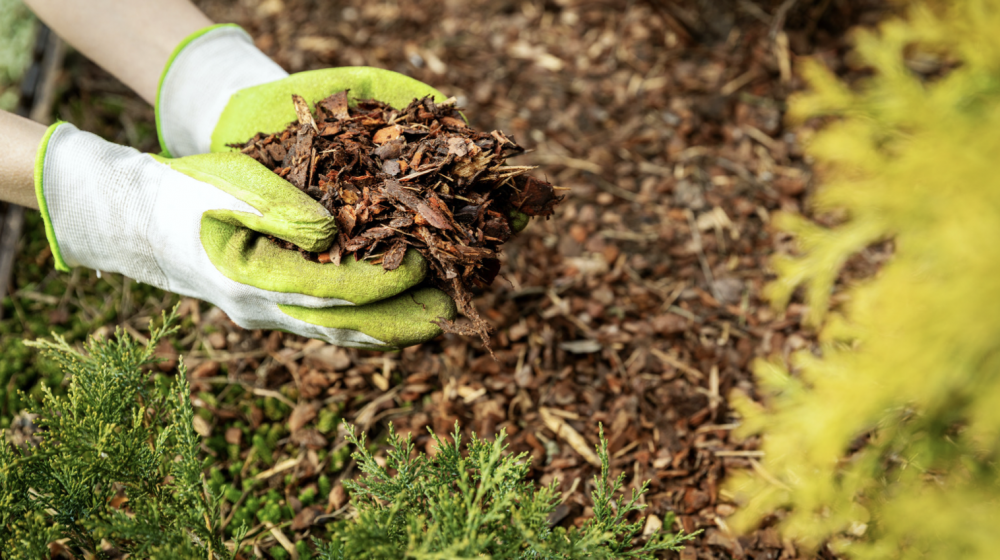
886,442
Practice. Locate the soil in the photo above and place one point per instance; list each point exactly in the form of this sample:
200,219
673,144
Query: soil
416,177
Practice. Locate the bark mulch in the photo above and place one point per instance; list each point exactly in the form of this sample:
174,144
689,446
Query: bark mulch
416,177
638,305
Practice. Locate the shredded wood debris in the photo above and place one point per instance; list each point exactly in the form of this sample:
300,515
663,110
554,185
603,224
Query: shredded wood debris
417,178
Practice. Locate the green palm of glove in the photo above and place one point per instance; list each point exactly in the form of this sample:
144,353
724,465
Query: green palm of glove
263,286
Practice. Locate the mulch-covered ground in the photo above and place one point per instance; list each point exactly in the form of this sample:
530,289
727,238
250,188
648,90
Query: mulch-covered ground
636,306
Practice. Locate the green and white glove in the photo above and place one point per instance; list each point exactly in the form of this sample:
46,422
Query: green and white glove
197,226
219,89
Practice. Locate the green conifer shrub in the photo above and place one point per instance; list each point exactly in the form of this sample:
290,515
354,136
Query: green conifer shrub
886,440
118,434
113,434
479,505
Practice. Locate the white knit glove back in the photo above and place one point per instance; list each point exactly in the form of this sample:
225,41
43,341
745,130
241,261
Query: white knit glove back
205,71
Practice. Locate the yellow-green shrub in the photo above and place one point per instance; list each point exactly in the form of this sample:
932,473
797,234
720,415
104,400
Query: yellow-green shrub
909,367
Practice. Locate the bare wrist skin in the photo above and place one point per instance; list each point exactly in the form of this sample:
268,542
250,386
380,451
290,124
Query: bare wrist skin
131,39
19,139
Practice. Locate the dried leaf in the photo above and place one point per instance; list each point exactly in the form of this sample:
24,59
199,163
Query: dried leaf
535,198
309,438
457,147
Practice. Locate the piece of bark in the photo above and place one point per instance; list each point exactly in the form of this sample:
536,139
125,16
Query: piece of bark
301,415
336,105
394,256
415,203
301,157
302,112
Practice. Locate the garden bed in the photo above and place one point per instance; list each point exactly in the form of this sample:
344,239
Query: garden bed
638,305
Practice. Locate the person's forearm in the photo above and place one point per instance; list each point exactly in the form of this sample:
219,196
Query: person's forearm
19,139
132,39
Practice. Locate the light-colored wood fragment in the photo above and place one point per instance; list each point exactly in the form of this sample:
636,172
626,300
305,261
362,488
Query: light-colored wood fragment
273,394
569,415
671,360
469,394
302,112
739,453
380,381
279,536
762,472
387,134
201,426
280,467
566,433
653,526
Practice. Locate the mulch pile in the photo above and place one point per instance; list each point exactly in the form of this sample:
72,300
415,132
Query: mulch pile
413,178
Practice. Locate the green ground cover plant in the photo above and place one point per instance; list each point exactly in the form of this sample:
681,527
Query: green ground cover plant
885,439
72,306
18,24
117,469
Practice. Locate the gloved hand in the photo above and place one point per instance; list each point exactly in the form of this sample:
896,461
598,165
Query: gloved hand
218,88
194,226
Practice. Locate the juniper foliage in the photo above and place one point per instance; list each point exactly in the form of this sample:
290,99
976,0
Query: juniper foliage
113,434
479,505
886,442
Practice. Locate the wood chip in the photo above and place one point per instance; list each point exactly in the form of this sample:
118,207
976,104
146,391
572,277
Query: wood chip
301,415
387,134
566,432
302,112
279,536
336,105
676,362
279,468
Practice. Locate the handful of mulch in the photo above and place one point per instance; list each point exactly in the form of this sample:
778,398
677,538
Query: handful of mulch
417,177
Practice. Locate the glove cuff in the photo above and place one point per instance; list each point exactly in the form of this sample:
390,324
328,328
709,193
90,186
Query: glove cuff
203,72
43,206
96,199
